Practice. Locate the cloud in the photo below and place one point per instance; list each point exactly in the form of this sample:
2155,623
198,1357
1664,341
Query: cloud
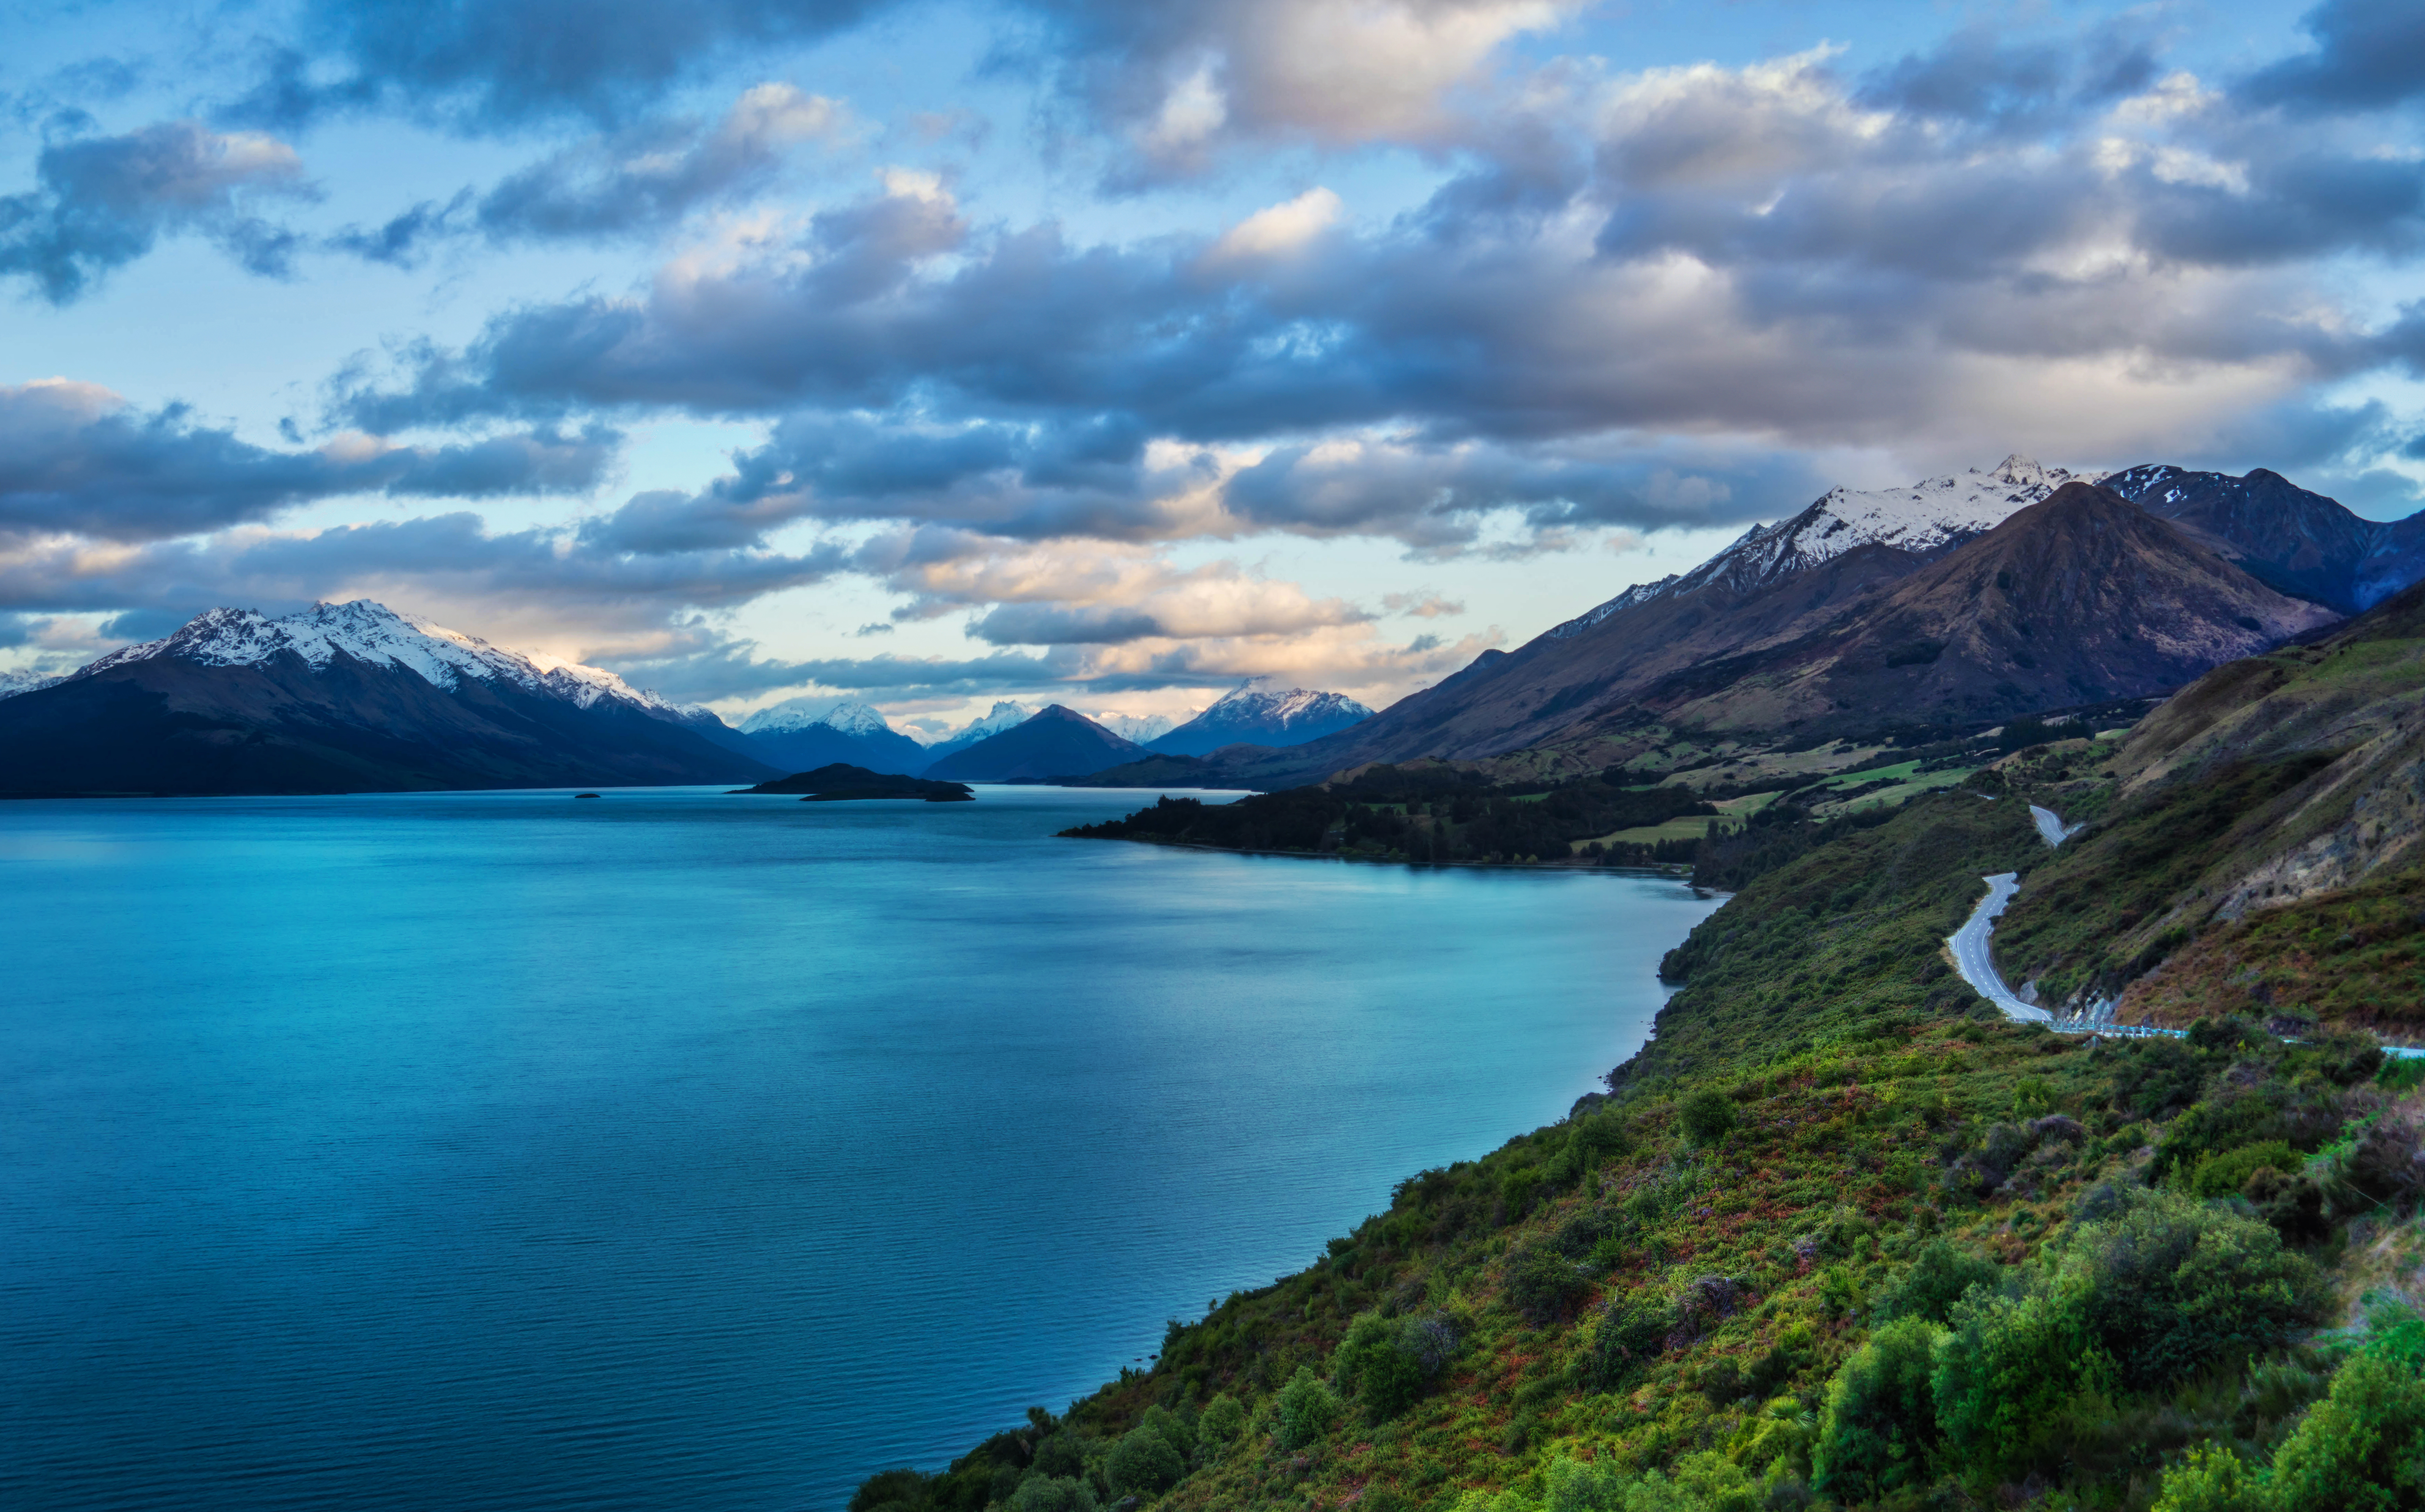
1183,85
1280,228
2369,55
508,63
103,201
75,457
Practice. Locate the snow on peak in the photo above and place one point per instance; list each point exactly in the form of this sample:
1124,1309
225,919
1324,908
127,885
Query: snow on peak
848,717
1256,702
1929,515
1136,728
12,683
1005,716
377,635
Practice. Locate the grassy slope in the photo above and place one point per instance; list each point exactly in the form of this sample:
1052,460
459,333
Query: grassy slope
1867,1087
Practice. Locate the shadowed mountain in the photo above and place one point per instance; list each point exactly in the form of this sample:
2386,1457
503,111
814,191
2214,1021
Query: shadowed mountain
2082,597
1057,742
2291,539
853,734
1262,716
340,698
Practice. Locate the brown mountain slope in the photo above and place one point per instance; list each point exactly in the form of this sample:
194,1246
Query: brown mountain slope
1510,700
2080,598
2292,783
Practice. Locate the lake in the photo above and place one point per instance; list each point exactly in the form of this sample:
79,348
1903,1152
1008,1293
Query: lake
677,1149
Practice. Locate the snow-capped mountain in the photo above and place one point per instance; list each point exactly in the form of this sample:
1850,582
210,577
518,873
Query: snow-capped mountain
350,697
12,683
1256,715
379,636
1005,714
1140,727
1923,519
805,733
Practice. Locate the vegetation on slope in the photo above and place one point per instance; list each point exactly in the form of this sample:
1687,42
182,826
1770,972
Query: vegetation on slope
1838,1236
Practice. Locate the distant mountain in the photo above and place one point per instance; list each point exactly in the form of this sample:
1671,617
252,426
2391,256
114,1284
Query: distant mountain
1263,716
801,735
1142,727
12,683
1004,716
346,697
2299,543
1057,742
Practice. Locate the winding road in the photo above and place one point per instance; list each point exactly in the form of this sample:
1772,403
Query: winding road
2051,826
1973,960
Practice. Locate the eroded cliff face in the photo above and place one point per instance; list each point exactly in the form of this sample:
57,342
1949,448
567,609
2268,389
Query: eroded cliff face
2369,813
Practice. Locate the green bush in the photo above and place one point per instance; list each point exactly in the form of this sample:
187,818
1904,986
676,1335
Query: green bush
1179,1436
2170,1285
1937,1281
1223,1419
1387,1363
2006,1372
888,1489
1307,1409
1053,1493
2224,1175
1143,1463
1061,1454
1628,1334
1543,1285
1707,1117
2362,1448
2212,1479
1880,1418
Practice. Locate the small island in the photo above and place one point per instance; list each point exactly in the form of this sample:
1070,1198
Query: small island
842,781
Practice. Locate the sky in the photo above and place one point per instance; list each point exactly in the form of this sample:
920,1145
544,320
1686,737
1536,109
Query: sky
1113,354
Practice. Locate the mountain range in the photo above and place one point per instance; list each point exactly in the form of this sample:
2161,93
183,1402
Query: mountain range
1972,598
1257,715
347,698
1953,604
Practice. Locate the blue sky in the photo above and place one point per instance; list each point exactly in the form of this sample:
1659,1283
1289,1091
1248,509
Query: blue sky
934,353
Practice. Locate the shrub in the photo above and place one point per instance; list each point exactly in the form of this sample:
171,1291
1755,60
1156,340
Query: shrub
1223,1419
1707,1117
1937,1281
1307,1408
1630,1334
2005,1372
890,1489
1543,1285
2170,1285
2212,1479
1053,1493
1880,1417
1061,1454
1180,1437
2361,1448
1143,1463
1387,1362
2224,1175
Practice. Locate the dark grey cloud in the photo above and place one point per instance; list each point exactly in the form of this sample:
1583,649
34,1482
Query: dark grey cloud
498,64
452,556
1985,76
72,458
2369,55
103,201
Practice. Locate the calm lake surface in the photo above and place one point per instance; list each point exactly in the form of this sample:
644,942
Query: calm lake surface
675,1150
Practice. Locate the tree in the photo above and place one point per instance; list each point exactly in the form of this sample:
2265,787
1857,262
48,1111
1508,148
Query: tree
1223,1419
1053,1493
1307,1409
1708,1116
2362,1448
1143,1463
1880,1420
1936,1282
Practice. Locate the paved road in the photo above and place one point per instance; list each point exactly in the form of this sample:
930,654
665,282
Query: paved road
2051,826
1970,952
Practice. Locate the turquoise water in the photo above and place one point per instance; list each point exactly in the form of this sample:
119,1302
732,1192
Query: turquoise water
673,1149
